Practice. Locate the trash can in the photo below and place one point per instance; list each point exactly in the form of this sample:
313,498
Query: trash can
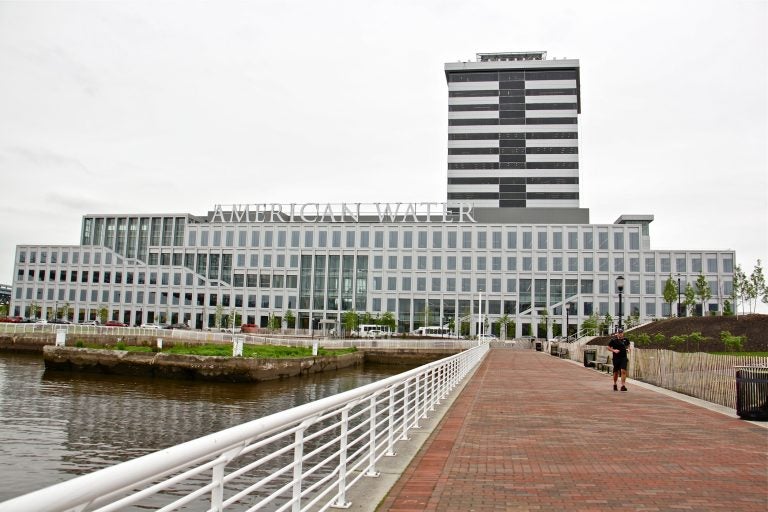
553,349
590,356
538,346
752,392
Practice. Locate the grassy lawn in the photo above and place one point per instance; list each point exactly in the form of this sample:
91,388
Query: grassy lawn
255,351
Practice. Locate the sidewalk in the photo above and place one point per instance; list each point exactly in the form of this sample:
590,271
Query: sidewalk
534,432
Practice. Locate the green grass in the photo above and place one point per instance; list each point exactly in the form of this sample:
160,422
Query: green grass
225,350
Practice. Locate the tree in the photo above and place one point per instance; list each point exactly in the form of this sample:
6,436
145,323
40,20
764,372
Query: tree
757,287
659,338
727,310
690,298
732,343
697,338
670,293
4,309
290,319
738,279
273,323
388,319
218,316
606,324
34,309
590,325
350,320
103,314
503,321
703,291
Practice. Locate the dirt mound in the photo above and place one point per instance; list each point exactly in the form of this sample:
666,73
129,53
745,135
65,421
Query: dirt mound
754,327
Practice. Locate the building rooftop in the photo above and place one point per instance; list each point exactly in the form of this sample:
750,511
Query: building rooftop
508,56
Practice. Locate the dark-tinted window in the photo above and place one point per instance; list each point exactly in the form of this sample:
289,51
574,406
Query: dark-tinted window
545,151
549,92
482,76
471,108
471,94
552,165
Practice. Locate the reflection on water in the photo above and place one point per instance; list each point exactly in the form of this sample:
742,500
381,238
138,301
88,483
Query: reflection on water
55,425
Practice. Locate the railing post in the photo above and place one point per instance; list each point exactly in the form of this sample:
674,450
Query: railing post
372,448
298,455
391,428
404,435
417,401
341,496
217,493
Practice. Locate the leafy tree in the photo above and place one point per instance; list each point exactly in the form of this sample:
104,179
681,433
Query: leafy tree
727,310
4,308
757,287
504,321
350,320
388,319
590,325
273,323
103,314
678,340
218,315
703,291
670,293
367,318
606,324
659,338
697,338
643,339
690,298
34,309
732,343
290,319
452,325
543,319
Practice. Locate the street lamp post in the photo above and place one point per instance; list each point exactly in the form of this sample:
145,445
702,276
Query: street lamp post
679,292
567,320
620,288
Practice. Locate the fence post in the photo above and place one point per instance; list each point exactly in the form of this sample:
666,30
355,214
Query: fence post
298,455
404,435
391,429
341,496
372,448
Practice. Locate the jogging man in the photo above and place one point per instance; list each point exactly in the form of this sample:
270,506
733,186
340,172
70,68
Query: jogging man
619,347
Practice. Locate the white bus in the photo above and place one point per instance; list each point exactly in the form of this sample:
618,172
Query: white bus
372,331
433,331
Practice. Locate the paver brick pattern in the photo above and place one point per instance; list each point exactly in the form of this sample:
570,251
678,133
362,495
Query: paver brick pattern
531,432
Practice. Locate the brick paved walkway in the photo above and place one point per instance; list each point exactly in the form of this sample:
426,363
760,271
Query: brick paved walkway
533,432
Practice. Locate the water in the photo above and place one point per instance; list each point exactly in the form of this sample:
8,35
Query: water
56,425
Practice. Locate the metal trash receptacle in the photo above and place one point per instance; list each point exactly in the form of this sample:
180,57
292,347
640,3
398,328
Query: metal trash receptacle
553,349
752,392
538,346
590,356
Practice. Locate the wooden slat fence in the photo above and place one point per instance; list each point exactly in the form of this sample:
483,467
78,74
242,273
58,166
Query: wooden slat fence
705,376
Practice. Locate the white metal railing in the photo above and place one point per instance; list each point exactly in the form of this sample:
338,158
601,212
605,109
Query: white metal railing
303,458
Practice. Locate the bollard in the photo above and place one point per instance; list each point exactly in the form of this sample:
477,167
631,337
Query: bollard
159,343
61,337
314,348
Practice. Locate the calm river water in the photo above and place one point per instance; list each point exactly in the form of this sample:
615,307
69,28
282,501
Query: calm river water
54,425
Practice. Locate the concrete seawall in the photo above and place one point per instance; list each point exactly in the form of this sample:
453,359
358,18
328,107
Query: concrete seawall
191,367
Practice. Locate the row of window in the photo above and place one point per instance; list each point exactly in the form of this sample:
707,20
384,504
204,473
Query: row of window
512,92
505,76
493,180
512,120
512,104
513,136
512,151
506,163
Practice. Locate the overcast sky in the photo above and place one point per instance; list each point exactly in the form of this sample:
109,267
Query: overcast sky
172,107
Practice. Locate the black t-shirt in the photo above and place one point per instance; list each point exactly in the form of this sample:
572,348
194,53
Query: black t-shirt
621,345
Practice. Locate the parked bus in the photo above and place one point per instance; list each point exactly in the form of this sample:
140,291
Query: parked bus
372,331
433,331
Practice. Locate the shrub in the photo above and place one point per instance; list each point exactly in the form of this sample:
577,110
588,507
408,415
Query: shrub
659,338
80,344
732,343
120,345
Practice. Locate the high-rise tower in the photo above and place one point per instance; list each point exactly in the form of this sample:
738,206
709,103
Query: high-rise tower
513,131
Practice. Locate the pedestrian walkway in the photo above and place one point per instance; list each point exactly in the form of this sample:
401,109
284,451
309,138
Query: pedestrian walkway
534,432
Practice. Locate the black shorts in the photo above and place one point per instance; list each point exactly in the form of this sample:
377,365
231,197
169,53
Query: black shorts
620,364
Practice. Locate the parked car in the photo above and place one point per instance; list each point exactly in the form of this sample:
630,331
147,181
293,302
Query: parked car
115,323
91,322
150,326
41,321
11,319
60,321
487,337
177,326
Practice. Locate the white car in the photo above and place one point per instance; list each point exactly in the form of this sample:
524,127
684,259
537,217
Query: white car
487,337
42,321
150,326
